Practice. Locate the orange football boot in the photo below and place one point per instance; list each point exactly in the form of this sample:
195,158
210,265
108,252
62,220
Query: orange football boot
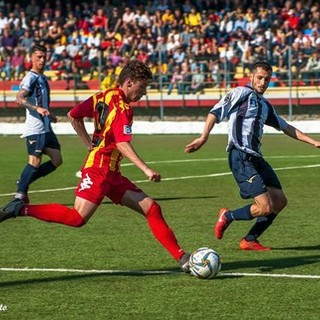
252,245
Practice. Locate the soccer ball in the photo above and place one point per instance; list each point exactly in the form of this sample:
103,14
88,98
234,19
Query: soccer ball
205,263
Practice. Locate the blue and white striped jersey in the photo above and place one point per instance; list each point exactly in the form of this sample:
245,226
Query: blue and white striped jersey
39,95
246,112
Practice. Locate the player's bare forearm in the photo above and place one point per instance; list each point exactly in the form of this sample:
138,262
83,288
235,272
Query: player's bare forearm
128,151
80,129
199,142
22,101
295,133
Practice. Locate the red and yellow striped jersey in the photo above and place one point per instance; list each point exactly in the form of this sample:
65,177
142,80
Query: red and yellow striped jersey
112,117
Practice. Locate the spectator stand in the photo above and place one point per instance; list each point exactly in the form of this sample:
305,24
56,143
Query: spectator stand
216,44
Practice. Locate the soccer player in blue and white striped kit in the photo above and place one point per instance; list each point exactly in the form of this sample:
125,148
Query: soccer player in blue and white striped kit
247,111
34,95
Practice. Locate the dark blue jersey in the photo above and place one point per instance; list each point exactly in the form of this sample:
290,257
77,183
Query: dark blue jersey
247,112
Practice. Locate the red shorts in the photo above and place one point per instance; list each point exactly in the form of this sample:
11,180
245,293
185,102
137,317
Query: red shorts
96,184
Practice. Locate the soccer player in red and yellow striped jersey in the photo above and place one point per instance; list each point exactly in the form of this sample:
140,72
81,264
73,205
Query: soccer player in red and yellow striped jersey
101,177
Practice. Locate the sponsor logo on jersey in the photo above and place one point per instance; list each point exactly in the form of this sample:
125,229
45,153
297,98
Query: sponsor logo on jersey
127,129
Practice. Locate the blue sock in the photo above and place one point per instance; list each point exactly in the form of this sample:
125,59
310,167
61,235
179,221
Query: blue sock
43,170
261,225
25,178
239,214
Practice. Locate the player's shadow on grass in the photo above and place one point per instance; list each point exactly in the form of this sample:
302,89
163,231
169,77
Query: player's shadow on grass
108,202
272,264
74,277
302,248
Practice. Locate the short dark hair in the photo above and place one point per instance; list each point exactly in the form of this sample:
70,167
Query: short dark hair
263,65
136,71
38,47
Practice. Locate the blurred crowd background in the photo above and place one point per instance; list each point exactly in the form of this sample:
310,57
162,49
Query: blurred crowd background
189,45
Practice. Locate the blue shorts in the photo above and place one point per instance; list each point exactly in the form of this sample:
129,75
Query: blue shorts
252,174
37,143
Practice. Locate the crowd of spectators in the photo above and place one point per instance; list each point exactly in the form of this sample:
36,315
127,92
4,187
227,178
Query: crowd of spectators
189,45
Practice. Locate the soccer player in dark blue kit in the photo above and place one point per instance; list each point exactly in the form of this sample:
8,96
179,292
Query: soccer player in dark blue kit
247,111
34,95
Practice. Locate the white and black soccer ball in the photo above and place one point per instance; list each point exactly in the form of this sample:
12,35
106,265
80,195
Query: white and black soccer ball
205,263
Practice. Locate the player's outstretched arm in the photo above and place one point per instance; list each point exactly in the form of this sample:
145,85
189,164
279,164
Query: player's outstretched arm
295,133
80,129
128,151
199,142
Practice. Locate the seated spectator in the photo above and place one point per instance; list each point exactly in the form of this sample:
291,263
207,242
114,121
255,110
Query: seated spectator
167,20
93,59
307,48
24,19
157,24
74,73
282,71
13,21
26,42
179,55
57,52
8,43
211,29
145,20
17,63
253,25
176,81
161,52
172,45
3,22
114,20
110,79
298,64
73,48
54,32
293,20
215,73
33,9
63,65
186,6
142,55
311,72
197,82
247,59
151,7
6,69
47,10
71,23
115,56
100,22
119,68
128,16
241,23
193,19
146,45
94,39
58,17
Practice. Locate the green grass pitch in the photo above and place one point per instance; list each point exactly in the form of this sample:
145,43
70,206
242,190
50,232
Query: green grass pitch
139,280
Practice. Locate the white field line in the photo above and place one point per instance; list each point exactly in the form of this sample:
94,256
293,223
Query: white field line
187,177
145,272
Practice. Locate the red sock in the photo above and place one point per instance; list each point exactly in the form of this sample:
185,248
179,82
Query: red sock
162,232
54,213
